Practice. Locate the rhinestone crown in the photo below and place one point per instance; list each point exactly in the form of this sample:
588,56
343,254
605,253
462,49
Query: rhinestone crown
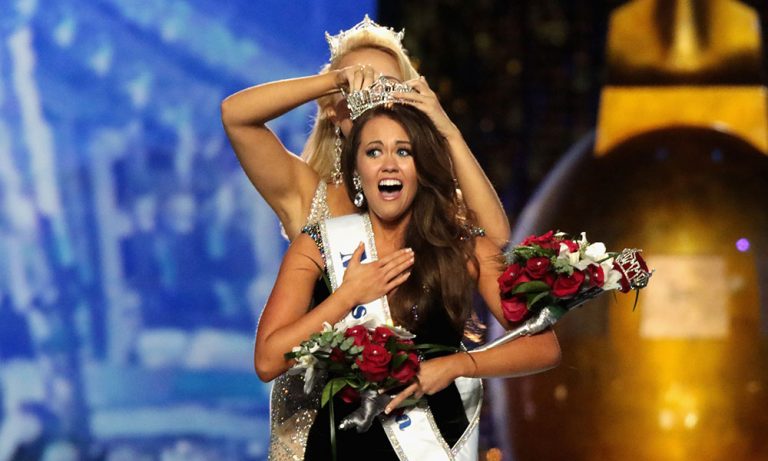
335,41
379,93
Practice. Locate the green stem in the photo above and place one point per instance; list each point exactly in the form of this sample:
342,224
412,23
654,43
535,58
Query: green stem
333,430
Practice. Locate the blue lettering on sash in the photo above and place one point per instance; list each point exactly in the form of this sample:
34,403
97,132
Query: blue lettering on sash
403,421
346,257
359,311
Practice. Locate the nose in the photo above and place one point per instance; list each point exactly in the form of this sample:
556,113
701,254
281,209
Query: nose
390,163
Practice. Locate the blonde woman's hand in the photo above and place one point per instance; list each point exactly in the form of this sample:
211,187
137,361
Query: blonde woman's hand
355,77
364,282
423,98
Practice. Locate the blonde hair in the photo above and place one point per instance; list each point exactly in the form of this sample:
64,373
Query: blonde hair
318,152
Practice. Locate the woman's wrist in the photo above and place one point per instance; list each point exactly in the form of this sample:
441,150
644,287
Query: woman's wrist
339,81
468,364
346,297
452,134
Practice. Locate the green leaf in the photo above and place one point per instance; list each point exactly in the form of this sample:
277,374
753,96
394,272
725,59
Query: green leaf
532,299
326,337
534,286
398,360
354,350
331,388
346,344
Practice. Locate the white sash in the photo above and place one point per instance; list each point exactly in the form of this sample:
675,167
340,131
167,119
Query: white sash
414,434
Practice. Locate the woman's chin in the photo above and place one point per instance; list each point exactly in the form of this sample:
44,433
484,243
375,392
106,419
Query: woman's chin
389,211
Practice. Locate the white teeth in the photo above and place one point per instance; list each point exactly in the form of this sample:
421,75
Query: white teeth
390,182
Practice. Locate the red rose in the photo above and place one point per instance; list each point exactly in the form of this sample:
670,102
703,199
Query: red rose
567,285
381,335
544,240
374,363
360,333
537,267
514,308
596,275
337,355
349,394
512,276
408,370
573,247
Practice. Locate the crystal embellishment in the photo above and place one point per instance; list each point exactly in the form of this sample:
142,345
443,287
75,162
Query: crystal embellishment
381,92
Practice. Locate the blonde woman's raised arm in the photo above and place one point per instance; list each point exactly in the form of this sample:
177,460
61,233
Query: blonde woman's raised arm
285,181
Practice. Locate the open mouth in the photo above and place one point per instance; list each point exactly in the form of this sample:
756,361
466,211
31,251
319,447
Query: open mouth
390,188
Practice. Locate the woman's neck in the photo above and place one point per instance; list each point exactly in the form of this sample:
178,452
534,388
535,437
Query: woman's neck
389,235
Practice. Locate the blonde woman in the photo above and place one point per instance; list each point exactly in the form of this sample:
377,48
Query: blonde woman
305,189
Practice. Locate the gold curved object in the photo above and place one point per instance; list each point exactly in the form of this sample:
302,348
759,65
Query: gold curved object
683,63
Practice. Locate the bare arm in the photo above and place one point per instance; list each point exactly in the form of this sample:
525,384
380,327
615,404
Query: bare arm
284,180
286,322
527,355
476,188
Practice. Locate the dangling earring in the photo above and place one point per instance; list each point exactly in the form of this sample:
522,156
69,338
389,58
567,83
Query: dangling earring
359,197
336,175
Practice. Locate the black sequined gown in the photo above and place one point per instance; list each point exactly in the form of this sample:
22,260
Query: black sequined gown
446,405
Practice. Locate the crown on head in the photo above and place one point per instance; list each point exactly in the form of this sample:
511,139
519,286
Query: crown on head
335,41
379,93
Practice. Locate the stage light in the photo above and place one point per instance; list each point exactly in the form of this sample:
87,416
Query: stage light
742,244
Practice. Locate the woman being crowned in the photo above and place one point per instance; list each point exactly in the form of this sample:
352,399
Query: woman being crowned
410,258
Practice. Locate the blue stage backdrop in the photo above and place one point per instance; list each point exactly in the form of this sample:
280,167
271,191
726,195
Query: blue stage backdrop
135,257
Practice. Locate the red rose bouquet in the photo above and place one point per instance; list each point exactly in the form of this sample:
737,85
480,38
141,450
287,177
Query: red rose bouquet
356,359
359,362
550,274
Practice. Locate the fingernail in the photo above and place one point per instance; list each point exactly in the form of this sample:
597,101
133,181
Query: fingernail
387,410
409,250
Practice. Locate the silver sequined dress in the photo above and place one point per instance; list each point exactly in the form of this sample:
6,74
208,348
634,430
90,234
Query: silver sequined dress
292,412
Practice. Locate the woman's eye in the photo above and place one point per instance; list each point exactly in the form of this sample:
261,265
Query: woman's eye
403,152
373,153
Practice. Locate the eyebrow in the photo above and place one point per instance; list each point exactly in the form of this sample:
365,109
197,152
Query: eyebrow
399,141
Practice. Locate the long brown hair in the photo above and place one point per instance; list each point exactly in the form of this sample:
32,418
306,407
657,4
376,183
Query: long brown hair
438,231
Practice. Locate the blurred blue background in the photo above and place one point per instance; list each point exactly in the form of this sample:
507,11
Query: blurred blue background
135,256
